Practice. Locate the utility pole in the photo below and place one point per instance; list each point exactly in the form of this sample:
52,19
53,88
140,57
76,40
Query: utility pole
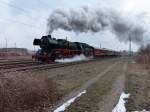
100,45
15,48
130,46
15,45
117,48
6,43
6,46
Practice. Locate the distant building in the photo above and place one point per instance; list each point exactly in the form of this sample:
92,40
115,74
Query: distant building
14,52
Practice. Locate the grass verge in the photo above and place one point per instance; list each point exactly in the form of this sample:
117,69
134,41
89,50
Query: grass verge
138,85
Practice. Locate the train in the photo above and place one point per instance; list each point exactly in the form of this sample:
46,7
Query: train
52,49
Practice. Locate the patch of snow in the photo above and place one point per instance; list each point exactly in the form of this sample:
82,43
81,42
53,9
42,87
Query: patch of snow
141,111
120,107
73,59
133,62
68,103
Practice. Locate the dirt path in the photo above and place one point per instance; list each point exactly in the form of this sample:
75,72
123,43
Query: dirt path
86,85
111,98
104,91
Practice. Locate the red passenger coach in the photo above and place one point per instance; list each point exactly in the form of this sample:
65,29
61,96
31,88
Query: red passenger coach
99,52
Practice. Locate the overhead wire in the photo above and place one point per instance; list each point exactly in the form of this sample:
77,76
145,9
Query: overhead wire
26,13
43,3
15,21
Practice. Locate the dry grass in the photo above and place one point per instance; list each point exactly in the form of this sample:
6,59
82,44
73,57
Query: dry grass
143,56
20,92
143,59
138,85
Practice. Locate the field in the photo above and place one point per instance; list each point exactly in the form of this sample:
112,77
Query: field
104,80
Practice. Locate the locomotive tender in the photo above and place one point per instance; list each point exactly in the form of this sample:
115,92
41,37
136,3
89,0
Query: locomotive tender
52,49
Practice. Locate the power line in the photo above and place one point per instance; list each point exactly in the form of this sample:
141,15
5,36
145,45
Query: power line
21,9
15,21
43,3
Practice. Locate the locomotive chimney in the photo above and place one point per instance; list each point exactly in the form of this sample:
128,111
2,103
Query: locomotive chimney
49,36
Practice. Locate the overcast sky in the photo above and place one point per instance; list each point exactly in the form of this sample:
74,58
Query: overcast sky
23,20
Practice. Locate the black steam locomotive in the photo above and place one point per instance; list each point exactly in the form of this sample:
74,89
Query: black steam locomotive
52,49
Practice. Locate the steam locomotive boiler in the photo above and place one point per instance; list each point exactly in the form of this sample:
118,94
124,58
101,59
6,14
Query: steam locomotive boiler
52,48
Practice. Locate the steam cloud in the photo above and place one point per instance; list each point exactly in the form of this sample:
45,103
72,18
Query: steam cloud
87,19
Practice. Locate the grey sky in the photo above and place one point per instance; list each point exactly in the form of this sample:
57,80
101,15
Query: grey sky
23,20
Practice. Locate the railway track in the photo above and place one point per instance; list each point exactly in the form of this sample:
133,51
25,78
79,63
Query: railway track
29,65
14,61
39,67
16,64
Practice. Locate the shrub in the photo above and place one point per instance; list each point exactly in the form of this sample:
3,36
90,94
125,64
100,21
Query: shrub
144,55
23,91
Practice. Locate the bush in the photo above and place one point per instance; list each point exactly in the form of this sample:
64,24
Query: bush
22,92
144,55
